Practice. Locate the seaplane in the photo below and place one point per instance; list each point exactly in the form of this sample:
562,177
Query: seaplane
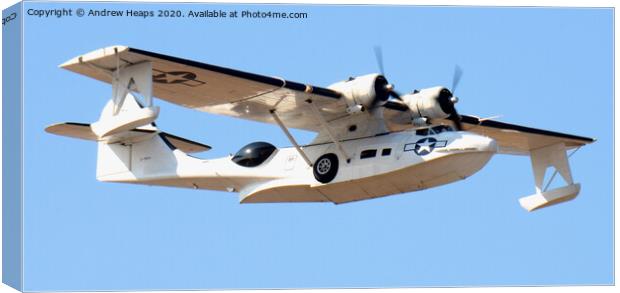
371,141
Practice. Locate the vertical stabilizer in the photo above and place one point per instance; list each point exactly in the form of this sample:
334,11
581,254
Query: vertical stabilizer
147,156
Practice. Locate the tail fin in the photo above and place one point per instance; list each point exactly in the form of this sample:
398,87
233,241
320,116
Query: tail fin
127,152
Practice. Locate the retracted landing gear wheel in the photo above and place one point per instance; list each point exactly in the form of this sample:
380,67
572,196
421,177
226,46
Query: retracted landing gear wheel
325,168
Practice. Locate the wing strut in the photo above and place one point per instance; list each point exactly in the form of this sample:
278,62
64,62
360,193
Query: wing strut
317,113
290,137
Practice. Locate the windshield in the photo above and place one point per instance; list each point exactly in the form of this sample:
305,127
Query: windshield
434,130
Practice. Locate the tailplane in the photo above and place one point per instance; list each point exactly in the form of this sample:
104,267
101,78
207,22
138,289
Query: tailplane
130,146
133,135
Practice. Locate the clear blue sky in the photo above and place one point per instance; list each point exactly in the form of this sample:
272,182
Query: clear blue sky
548,68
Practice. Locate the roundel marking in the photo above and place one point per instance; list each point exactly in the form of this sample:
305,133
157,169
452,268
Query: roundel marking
425,146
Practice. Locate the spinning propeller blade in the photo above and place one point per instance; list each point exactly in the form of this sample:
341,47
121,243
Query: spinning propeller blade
379,58
389,87
456,78
395,95
456,119
454,116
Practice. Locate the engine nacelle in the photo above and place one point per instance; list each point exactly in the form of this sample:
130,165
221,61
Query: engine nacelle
366,90
434,103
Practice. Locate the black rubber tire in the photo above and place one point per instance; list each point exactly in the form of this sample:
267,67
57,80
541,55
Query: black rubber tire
325,168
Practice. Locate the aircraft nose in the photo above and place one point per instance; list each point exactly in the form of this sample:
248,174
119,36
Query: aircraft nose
488,144
482,143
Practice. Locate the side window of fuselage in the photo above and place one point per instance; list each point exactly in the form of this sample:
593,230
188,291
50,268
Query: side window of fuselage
368,154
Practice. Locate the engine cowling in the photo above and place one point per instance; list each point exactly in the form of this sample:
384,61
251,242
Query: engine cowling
434,103
367,90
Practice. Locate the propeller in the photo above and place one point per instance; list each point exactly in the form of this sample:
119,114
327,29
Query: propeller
456,119
447,99
388,86
454,115
456,77
379,58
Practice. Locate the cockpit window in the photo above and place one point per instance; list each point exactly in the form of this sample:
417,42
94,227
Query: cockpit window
433,130
253,154
441,128
423,131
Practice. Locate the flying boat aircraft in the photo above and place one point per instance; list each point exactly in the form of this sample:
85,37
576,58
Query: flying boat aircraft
370,140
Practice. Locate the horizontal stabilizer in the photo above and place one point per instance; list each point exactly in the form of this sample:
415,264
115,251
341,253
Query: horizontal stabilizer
185,145
84,131
73,129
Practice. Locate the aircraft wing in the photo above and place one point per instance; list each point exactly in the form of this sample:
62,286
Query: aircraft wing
511,138
517,139
216,89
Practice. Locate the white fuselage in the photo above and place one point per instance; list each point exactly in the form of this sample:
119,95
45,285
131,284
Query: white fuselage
404,161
